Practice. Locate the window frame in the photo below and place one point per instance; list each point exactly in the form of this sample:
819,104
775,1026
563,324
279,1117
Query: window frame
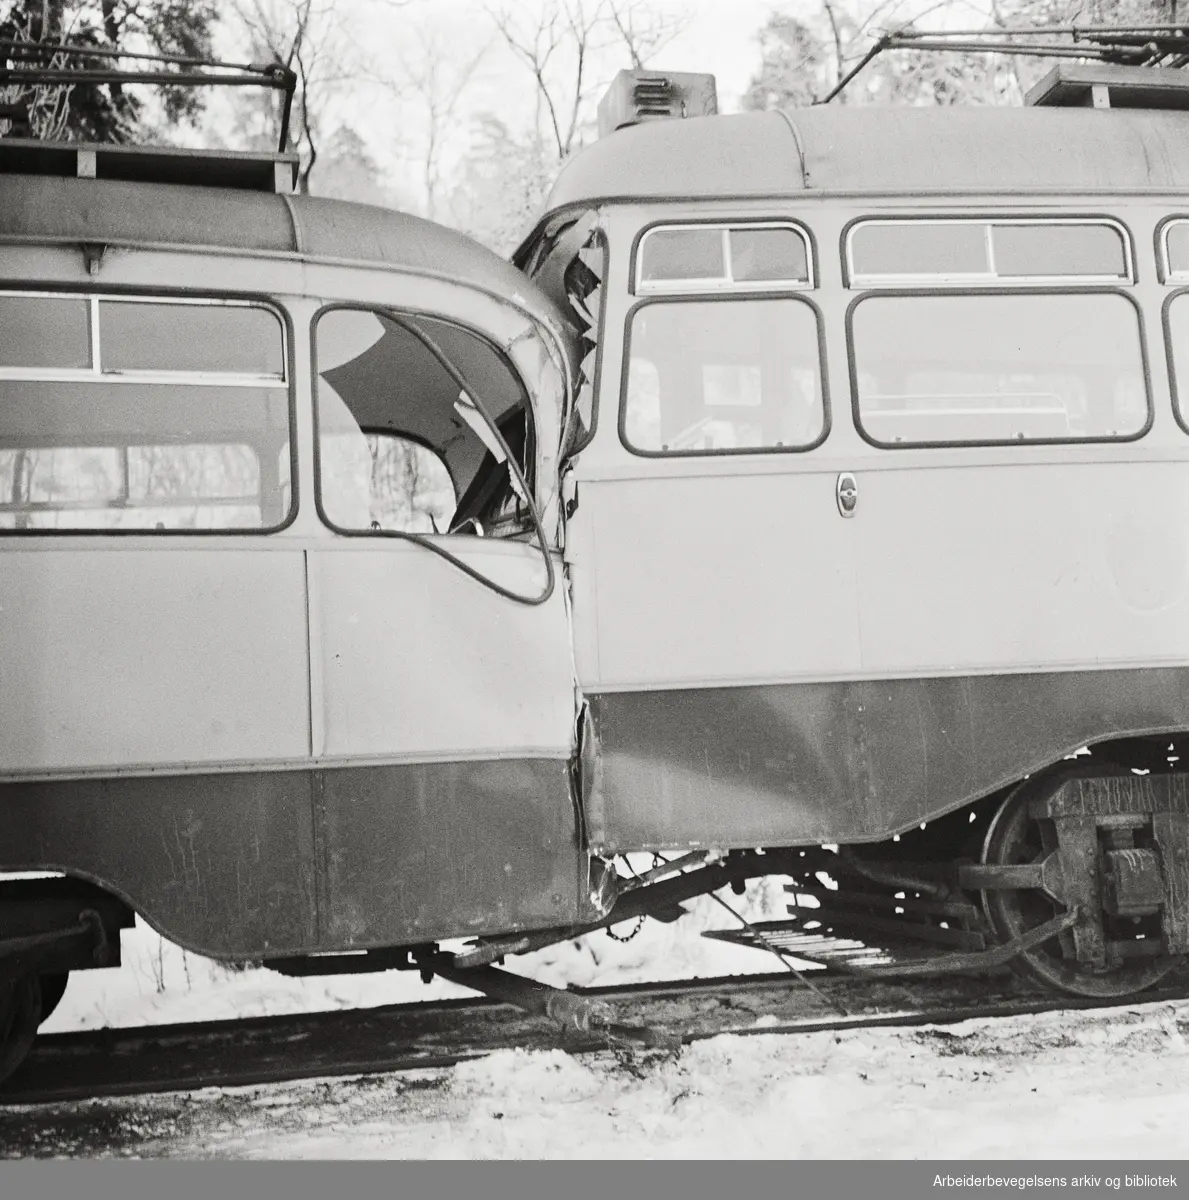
95,372
711,286
1167,275
908,292
530,469
37,289
798,296
853,280
1181,418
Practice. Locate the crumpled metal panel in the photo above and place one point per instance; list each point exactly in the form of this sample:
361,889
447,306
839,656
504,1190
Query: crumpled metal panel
794,764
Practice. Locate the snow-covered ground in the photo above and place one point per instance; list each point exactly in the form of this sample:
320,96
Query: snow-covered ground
1072,1085
1060,1085
160,983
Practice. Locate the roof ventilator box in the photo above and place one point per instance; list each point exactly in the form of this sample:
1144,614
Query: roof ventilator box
636,96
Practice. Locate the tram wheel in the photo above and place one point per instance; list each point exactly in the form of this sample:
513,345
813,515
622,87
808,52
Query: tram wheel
53,988
1014,837
20,1014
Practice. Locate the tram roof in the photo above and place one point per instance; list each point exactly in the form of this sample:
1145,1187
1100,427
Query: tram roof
883,151
37,208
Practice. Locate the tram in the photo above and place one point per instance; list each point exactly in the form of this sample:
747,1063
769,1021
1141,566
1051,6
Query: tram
805,499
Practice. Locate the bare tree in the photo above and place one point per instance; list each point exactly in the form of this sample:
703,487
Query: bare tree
802,59
434,75
644,30
503,183
47,106
567,43
302,35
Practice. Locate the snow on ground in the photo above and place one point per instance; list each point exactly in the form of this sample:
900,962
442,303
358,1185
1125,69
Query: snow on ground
160,983
1074,1085
1058,1085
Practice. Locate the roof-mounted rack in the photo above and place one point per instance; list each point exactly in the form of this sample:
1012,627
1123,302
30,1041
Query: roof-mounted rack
242,171
1139,61
52,64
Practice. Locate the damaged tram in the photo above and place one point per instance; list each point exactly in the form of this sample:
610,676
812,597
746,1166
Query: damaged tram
807,500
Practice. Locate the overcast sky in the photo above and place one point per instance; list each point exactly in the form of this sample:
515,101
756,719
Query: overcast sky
720,36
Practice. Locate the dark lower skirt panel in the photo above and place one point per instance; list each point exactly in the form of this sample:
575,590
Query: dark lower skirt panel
280,863
794,764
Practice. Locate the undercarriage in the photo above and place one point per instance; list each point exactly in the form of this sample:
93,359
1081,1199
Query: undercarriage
1077,878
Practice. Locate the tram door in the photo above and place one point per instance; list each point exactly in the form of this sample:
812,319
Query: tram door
710,580
1005,522
442,686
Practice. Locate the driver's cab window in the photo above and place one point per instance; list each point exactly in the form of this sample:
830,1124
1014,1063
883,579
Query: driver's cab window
402,448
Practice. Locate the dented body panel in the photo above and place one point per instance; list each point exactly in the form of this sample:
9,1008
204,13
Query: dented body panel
813,763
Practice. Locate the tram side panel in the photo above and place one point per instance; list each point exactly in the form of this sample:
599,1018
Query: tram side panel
1009,587
463,702
274,739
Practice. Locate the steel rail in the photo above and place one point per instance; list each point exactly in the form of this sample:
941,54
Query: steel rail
70,1067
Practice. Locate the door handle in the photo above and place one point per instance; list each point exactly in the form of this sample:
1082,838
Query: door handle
846,491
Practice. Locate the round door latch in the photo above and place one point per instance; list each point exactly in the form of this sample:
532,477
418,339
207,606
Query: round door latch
847,492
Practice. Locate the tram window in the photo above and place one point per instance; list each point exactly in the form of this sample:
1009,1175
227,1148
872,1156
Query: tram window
721,257
399,449
998,368
382,481
156,487
707,376
986,251
677,254
229,340
1177,330
45,331
768,254
1047,251
88,448
898,248
1176,250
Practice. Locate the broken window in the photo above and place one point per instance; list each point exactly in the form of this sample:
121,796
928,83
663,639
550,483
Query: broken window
569,264
402,448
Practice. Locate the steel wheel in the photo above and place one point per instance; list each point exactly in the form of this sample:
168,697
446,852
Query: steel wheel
20,1014
1016,837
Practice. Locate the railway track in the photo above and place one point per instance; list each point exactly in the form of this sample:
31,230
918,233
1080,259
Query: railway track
141,1060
